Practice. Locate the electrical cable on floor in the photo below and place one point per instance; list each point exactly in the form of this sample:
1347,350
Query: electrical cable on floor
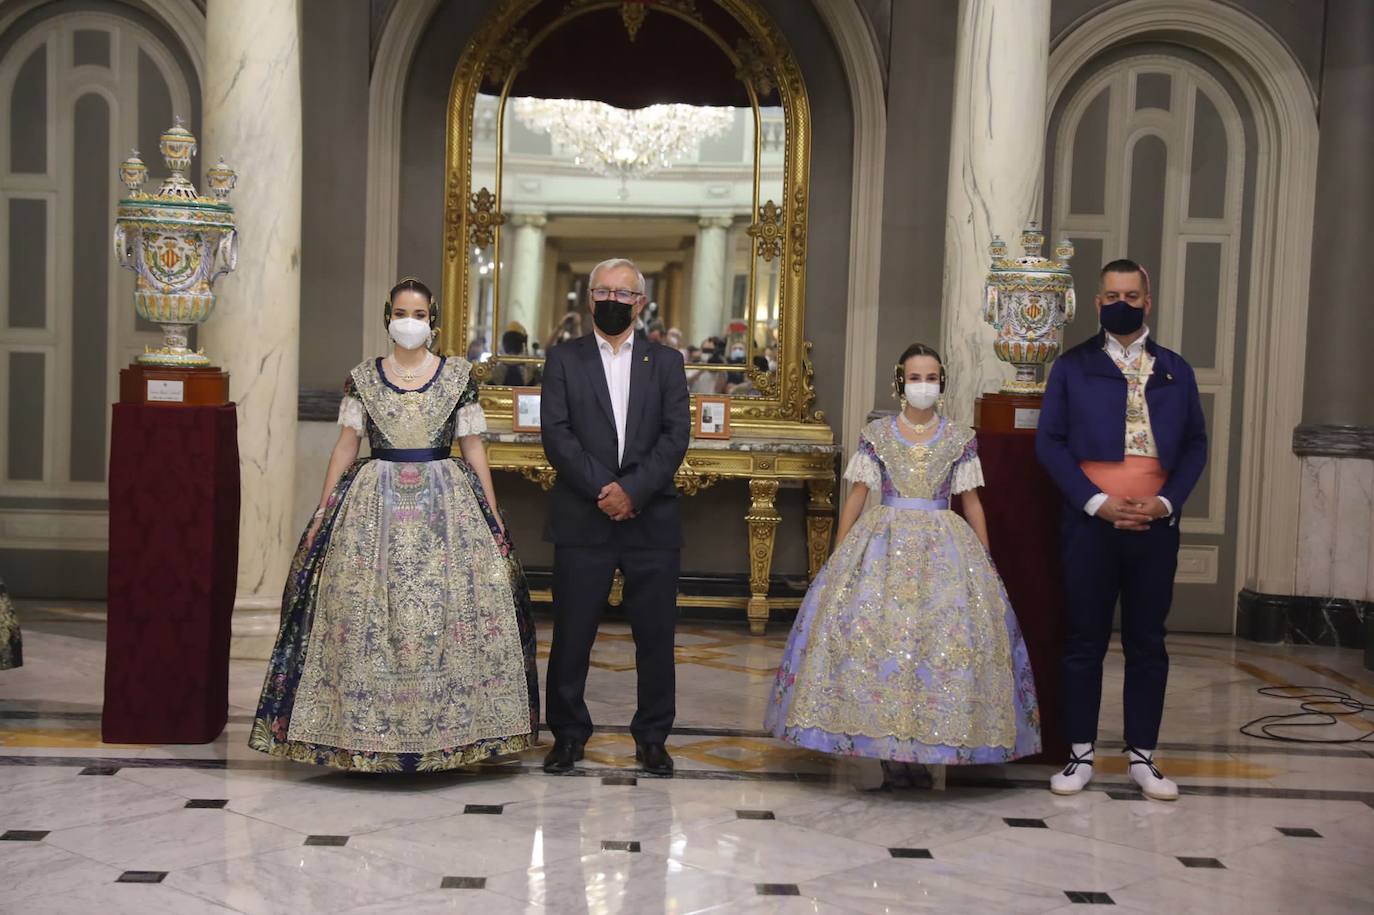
1317,712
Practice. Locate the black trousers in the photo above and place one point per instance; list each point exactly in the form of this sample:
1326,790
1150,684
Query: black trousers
581,584
1102,564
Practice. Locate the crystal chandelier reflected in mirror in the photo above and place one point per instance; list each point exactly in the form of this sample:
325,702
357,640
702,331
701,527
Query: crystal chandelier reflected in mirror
622,143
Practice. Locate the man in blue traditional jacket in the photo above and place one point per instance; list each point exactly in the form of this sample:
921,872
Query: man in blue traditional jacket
1123,436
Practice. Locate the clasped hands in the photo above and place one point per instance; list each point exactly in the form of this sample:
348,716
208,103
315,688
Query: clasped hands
615,502
1132,514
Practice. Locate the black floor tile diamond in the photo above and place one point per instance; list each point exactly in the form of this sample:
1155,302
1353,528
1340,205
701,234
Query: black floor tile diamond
755,814
1126,796
610,845
141,877
207,803
1201,862
23,835
777,889
463,883
1025,822
490,809
332,841
910,852
1299,832
1089,898
621,780
99,770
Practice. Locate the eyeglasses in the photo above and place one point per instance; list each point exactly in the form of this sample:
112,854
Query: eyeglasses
620,295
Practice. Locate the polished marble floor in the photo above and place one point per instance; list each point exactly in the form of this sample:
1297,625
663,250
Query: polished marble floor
748,825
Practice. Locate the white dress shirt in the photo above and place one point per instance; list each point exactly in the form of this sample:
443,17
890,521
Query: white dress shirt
617,364
1120,353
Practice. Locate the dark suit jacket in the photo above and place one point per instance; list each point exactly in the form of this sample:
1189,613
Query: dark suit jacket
1083,418
579,435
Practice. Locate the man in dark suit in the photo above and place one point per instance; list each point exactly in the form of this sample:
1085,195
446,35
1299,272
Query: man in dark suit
1123,436
615,418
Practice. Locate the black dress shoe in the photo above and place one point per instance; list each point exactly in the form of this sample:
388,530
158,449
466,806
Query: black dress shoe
562,757
653,758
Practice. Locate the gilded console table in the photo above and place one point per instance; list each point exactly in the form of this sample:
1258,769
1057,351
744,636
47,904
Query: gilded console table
766,464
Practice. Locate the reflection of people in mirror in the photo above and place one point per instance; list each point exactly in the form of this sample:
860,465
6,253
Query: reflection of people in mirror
513,343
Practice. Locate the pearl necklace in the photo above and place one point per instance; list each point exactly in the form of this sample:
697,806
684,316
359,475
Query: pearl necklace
408,375
918,428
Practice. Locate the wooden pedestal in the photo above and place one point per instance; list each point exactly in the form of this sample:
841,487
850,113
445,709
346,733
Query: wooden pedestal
173,386
1007,413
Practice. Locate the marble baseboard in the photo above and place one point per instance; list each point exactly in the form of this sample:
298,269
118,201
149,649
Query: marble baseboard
1301,620
1334,440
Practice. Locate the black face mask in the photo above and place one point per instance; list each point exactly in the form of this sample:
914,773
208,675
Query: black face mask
611,316
1121,318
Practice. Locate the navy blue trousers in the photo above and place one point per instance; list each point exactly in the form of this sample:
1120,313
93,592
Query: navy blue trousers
1101,565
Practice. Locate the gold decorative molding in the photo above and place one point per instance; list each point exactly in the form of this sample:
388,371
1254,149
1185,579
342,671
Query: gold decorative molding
755,67
507,59
763,520
506,39
483,218
542,476
767,231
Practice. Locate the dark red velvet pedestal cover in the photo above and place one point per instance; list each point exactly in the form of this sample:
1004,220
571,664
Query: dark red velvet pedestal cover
174,534
1023,509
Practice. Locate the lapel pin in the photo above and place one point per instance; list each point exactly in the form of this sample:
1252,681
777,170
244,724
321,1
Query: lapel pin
1169,376
646,358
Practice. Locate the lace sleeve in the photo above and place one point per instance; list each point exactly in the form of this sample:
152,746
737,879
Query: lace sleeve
968,470
864,467
471,421
351,412
352,415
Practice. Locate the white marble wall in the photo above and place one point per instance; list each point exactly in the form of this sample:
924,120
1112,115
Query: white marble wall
997,153
252,105
523,302
708,278
1336,528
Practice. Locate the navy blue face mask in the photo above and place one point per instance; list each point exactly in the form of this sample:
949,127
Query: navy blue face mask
1121,318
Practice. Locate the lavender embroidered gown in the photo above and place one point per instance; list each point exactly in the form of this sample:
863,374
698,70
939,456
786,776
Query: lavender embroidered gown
905,647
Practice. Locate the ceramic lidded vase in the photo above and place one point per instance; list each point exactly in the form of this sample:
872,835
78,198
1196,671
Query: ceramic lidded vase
1029,300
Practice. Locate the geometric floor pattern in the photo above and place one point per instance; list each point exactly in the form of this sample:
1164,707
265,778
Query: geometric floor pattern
747,825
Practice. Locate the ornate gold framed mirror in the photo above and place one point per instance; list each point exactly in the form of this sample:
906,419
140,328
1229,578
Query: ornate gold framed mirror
672,132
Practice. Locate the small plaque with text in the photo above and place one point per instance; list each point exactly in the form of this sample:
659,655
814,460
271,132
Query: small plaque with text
161,391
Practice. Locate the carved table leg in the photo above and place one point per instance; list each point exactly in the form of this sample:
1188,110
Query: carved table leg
820,523
617,589
763,521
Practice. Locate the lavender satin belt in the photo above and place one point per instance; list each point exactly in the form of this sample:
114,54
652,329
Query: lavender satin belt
916,505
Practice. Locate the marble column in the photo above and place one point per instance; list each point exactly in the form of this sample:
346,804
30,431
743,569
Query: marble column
708,278
1336,438
996,160
524,300
252,105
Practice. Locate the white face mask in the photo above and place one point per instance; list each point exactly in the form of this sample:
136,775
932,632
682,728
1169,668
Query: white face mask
922,394
410,333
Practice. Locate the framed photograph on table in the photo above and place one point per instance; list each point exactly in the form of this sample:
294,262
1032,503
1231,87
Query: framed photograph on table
713,417
525,409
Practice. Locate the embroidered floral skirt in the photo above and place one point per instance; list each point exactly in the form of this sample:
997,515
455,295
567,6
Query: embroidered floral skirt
11,647
906,649
406,640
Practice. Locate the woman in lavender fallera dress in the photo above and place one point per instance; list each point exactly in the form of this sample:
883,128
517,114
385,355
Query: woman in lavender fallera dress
905,648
